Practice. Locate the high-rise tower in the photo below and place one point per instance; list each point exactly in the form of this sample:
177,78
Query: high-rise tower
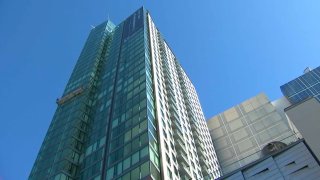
129,111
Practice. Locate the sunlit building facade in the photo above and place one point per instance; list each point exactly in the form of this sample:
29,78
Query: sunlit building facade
129,111
240,133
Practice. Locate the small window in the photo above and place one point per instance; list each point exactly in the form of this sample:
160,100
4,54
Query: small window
168,159
135,158
144,138
135,130
144,169
110,173
127,149
126,176
119,168
126,163
144,152
143,125
135,144
135,174
127,136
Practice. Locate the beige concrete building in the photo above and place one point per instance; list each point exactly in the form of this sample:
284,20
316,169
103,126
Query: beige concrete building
281,104
240,133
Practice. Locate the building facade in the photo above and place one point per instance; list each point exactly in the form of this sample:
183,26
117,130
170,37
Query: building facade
303,87
129,111
306,118
295,161
240,133
304,112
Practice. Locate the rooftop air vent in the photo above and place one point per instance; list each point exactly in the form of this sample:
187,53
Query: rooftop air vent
273,147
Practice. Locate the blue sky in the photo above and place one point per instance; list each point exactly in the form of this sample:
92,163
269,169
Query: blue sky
231,50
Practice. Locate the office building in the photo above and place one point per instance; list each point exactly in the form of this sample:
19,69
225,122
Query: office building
303,87
294,161
304,112
240,133
300,107
129,111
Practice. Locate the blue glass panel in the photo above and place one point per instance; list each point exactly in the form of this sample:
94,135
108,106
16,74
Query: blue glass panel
308,79
286,90
316,88
133,23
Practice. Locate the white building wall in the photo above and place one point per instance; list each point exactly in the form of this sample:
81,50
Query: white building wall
204,147
177,107
169,163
